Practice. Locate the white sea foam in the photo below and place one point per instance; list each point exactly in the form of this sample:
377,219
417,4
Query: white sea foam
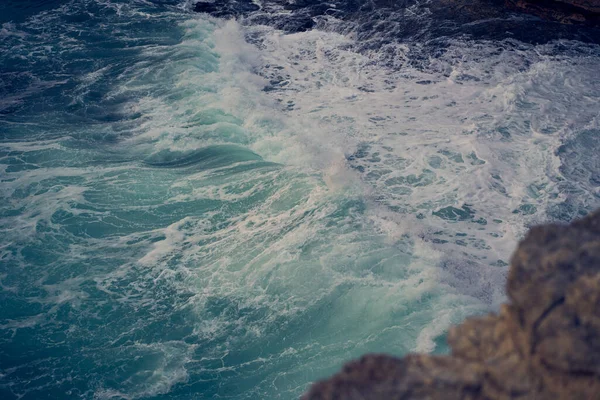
485,135
441,141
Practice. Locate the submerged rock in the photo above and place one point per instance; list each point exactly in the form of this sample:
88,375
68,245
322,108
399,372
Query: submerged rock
544,344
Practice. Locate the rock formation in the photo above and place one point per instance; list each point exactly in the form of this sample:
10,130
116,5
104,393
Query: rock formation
565,11
544,344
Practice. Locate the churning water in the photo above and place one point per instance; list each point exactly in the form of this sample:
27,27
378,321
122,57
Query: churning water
202,208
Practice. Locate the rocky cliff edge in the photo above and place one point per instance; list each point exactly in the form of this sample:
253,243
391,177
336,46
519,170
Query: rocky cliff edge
543,344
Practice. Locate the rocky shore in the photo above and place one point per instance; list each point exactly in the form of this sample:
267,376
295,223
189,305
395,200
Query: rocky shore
543,344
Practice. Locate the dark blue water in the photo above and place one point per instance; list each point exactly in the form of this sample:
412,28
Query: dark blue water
193,207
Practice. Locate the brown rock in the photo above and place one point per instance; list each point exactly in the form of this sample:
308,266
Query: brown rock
545,344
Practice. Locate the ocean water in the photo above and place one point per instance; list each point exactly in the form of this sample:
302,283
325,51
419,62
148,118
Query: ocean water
198,208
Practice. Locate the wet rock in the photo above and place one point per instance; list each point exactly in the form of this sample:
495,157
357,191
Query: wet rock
226,8
544,344
565,11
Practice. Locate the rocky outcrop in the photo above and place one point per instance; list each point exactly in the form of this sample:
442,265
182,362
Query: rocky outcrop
544,344
564,11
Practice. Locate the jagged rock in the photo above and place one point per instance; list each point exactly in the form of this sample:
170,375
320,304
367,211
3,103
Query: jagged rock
544,344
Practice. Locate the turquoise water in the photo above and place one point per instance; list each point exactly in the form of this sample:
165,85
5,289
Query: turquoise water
171,230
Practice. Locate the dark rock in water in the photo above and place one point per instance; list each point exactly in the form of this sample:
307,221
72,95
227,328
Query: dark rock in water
205,7
544,344
564,11
226,8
